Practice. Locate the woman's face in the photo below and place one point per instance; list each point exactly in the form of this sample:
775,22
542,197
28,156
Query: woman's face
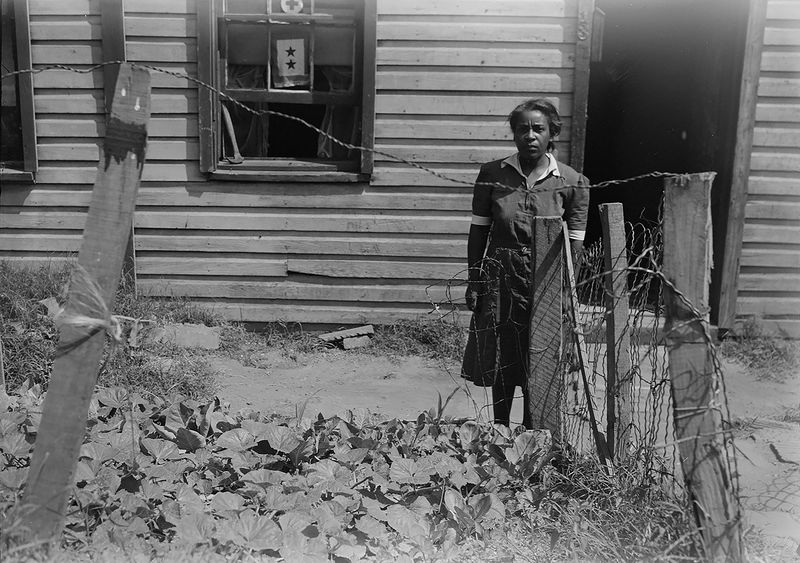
532,135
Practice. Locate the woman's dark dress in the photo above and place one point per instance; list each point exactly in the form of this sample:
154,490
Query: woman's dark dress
497,346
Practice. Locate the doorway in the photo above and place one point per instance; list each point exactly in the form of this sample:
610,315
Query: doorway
664,96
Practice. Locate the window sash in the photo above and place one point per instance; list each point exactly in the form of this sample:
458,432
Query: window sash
282,95
211,127
25,93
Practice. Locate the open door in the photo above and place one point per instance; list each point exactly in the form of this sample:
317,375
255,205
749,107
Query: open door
664,96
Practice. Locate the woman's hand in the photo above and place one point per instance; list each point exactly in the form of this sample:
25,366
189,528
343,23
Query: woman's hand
472,295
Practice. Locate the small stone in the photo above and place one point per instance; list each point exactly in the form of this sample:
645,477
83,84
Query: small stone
356,342
187,336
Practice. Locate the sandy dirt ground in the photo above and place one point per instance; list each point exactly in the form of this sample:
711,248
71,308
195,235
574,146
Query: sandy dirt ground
766,414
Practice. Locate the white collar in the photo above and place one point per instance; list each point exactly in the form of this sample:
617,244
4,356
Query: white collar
552,167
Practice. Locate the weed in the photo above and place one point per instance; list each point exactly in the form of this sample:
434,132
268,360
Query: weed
437,339
627,516
764,355
161,309
170,372
29,336
27,332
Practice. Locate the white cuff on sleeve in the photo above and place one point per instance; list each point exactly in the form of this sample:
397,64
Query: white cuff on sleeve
577,235
481,221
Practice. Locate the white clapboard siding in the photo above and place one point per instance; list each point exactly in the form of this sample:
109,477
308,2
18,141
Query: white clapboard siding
448,73
769,279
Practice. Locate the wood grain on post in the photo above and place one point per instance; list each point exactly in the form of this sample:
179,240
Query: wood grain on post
66,405
705,457
545,377
619,407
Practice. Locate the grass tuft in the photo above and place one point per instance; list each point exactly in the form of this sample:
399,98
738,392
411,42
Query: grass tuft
627,516
439,339
29,337
163,371
764,355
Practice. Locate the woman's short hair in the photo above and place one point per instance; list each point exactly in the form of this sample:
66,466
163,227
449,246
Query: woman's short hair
542,105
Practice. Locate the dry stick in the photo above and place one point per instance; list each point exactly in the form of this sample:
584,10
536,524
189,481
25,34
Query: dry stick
618,337
599,440
705,457
108,225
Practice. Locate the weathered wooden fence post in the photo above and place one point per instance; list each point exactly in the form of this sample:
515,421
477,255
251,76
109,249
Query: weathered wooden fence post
618,338
545,381
63,424
695,387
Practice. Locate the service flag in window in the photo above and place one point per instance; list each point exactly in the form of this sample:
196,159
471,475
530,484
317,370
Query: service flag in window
289,63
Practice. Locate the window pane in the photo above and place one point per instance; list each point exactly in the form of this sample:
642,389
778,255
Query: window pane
246,6
334,53
249,129
248,56
291,6
289,58
339,9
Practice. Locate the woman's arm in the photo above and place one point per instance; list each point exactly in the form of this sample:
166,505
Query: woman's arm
478,236
575,214
476,245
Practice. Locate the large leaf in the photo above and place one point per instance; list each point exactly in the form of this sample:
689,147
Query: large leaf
350,456
188,500
227,502
331,517
281,438
195,528
328,472
264,477
409,471
488,509
161,450
251,531
256,428
237,440
529,449
371,527
189,440
301,542
15,445
177,416
453,500
115,397
406,523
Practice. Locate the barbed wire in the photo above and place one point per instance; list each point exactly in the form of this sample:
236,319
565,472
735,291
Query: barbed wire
343,144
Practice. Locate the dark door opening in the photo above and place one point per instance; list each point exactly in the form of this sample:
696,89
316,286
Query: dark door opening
664,96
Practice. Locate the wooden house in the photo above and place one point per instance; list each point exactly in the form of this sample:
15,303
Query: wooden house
288,226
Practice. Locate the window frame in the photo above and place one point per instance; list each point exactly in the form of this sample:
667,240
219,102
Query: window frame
288,169
22,37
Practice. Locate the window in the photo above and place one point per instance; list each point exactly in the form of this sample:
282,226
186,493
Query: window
17,129
303,59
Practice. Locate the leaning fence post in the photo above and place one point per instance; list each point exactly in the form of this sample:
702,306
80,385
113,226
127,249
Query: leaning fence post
705,457
545,382
618,339
108,225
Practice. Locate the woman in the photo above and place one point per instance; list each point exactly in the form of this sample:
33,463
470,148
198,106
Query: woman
508,194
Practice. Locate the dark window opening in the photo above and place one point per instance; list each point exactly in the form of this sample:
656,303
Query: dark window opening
11,144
